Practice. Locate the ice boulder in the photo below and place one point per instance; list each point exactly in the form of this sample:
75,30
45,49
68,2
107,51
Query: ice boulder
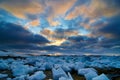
57,66
58,72
66,67
101,77
39,75
3,76
86,70
78,65
8,79
63,78
115,64
20,69
49,65
23,77
96,64
90,75
3,65
69,77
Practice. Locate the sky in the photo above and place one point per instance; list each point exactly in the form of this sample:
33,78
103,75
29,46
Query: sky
60,25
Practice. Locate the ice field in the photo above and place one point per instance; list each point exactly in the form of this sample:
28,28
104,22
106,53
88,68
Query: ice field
60,67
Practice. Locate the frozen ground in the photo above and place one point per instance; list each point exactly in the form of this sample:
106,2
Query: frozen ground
59,67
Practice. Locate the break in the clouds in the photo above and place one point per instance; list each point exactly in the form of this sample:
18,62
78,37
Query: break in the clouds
65,23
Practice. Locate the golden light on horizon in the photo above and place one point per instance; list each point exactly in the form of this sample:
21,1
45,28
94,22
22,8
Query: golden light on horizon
57,42
55,54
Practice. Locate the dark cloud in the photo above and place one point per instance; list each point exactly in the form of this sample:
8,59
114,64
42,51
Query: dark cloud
19,46
14,34
78,42
82,38
64,33
86,43
113,3
112,28
109,43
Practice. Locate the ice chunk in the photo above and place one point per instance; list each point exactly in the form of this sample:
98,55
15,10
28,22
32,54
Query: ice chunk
78,65
115,64
8,79
66,67
90,75
101,77
96,64
58,72
63,78
23,77
69,77
57,66
85,71
20,69
49,65
3,76
39,75
3,65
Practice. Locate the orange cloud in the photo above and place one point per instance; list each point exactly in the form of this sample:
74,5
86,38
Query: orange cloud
71,33
96,9
80,10
47,33
20,8
35,22
102,8
59,8
52,22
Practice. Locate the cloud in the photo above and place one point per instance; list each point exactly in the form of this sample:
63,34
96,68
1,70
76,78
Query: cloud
15,34
85,42
33,9
47,32
109,42
96,9
112,29
78,42
76,39
59,33
33,23
20,8
57,8
72,23
20,46
58,36
105,8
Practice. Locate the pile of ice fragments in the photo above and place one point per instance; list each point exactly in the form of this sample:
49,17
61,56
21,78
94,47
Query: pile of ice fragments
32,68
